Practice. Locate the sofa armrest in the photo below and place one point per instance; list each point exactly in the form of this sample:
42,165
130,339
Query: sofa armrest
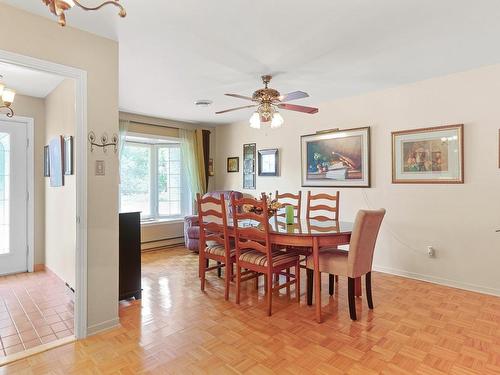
191,220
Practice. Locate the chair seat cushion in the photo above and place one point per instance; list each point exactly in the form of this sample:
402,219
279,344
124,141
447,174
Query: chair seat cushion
260,259
218,250
331,261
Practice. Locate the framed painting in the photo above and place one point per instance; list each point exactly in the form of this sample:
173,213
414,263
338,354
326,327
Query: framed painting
268,162
336,158
68,155
428,155
249,175
46,161
56,162
233,164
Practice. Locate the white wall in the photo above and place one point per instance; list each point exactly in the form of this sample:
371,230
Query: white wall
44,39
34,108
458,220
60,202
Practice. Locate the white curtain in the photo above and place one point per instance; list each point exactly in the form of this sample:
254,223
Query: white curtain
123,130
190,160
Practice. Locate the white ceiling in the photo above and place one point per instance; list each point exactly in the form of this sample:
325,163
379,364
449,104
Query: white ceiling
173,52
27,81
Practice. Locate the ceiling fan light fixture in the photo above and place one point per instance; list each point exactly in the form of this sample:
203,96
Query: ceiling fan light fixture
255,120
58,7
277,120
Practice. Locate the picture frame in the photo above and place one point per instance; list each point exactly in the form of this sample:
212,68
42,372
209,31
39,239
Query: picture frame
68,155
233,164
432,155
268,162
249,173
336,158
46,161
56,145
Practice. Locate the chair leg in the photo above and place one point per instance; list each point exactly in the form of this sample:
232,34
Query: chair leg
352,300
202,274
287,281
269,294
331,281
297,281
265,282
238,283
277,278
219,270
310,278
368,279
227,279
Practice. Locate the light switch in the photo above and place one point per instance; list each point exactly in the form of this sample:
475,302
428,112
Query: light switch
100,168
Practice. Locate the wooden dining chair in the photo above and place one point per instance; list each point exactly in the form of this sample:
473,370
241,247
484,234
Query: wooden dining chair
322,204
214,241
255,253
353,263
290,199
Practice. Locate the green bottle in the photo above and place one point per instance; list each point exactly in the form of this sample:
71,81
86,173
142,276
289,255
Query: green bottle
289,214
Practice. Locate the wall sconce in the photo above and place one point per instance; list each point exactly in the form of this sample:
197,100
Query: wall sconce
104,142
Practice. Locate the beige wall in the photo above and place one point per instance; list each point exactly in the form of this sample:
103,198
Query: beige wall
44,39
458,220
60,202
153,235
34,108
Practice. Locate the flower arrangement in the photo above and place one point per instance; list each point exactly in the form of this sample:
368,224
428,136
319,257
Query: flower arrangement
272,206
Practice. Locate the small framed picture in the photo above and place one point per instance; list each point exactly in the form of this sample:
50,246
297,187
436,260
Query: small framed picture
68,155
210,167
268,162
233,164
46,161
428,155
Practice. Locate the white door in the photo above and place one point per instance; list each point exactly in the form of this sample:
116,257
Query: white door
13,197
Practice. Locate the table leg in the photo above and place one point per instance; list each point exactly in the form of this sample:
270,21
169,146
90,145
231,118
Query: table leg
357,286
317,279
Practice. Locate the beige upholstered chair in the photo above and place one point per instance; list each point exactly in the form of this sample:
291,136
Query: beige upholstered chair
353,263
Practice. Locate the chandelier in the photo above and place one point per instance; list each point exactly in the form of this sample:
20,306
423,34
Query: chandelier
7,98
58,7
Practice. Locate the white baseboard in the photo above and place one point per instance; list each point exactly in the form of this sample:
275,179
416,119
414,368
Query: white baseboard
104,326
164,243
439,280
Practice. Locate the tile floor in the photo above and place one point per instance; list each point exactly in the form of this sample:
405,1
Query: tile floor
35,308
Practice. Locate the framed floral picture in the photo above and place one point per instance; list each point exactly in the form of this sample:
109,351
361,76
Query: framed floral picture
336,158
233,164
428,155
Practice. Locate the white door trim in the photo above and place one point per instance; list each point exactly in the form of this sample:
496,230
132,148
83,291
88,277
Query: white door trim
80,77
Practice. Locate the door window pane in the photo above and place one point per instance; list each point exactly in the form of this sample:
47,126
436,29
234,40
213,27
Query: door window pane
135,187
4,193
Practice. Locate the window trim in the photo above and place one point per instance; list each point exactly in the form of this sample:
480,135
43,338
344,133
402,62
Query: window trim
154,203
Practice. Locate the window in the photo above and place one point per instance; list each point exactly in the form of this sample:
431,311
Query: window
152,181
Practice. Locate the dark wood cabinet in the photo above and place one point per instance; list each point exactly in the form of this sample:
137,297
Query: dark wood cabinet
130,255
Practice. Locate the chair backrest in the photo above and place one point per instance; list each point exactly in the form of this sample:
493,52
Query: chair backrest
213,222
363,239
255,236
289,199
327,204
227,197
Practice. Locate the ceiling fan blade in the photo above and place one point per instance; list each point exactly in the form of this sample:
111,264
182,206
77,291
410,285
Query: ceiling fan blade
293,96
240,96
235,109
298,108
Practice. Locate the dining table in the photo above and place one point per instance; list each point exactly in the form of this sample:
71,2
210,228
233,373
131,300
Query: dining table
311,235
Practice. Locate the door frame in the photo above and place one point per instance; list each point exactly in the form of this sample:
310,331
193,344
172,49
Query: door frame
80,78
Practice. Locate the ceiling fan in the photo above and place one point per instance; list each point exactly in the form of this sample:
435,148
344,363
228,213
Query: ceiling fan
267,101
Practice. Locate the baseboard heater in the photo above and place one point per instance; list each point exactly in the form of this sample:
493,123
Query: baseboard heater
161,243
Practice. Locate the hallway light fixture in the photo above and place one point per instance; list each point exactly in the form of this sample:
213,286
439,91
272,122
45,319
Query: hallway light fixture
7,98
58,7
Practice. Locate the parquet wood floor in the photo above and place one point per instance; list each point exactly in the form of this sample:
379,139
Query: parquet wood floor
416,328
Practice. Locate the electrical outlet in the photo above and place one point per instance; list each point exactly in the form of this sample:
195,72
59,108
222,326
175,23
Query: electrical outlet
431,252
